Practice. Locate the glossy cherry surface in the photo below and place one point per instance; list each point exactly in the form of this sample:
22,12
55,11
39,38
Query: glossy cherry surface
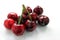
43,20
18,29
30,25
38,10
8,23
13,16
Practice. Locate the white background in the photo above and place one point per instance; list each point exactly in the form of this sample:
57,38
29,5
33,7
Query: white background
51,9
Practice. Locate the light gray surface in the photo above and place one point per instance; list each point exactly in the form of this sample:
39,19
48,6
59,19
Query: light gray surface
51,9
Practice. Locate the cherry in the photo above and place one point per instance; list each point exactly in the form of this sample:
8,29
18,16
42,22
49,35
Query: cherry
24,18
13,16
25,10
30,25
29,9
43,20
33,16
18,29
8,23
38,10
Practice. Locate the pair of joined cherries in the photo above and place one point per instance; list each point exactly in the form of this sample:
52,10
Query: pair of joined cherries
27,20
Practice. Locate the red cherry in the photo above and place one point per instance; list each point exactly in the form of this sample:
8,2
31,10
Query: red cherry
13,16
25,10
43,20
33,16
24,16
29,9
30,25
18,29
38,10
8,23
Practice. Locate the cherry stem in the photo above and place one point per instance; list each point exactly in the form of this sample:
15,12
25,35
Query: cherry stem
27,11
20,17
19,20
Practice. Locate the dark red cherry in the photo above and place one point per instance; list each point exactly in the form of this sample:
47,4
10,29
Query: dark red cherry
24,16
30,25
38,10
18,29
43,20
25,10
13,16
29,9
8,23
33,16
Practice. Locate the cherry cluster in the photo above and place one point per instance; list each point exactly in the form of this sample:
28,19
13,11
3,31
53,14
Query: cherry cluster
26,21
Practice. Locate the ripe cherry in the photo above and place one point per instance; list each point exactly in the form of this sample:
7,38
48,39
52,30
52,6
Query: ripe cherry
38,10
8,23
30,25
18,29
24,18
33,16
13,16
43,20
25,10
29,9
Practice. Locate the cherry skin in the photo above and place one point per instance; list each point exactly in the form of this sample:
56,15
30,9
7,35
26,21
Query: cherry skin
24,18
13,16
25,12
8,23
18,29
30,25
29,9
38,10
43,20
33,16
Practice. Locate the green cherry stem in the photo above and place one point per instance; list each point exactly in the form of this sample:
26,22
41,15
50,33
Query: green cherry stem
20,17
27,11
19,20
